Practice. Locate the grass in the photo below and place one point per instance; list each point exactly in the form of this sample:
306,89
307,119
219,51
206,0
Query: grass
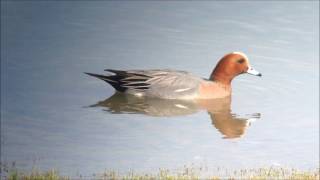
185,173
49,175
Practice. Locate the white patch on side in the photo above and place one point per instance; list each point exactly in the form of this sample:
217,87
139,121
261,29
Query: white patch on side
242,54
138,94
181,90
181,106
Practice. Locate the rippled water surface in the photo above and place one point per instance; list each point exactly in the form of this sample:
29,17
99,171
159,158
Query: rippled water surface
55,116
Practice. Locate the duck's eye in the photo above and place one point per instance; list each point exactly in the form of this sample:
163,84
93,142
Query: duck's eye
240,61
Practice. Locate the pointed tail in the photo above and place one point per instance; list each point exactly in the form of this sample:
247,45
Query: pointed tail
111,79
102,77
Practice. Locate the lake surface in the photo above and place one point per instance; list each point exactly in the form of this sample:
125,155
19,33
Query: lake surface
55,116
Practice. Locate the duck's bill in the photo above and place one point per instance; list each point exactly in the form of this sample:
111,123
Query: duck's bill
253,72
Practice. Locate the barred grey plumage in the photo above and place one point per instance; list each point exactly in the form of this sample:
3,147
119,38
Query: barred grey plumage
154,83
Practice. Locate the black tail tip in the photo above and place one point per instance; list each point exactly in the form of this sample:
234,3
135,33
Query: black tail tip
94,75
99,76
90,74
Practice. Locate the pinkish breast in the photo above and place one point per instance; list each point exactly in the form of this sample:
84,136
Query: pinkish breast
213,90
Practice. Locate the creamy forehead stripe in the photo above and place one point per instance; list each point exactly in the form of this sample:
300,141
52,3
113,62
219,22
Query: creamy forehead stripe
242,54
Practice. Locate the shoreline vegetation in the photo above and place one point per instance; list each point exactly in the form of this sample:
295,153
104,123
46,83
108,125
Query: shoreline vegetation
165,174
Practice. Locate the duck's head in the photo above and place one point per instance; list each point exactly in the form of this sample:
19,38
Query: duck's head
232,65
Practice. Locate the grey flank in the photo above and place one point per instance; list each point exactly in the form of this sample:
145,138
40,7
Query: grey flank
169,84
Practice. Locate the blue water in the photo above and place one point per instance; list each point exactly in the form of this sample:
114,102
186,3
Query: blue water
46,120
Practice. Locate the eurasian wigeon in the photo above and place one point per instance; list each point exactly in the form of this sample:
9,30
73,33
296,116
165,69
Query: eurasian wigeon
171,84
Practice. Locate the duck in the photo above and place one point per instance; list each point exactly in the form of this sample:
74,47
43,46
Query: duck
176,84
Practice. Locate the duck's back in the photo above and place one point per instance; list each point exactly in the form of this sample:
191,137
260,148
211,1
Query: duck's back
172,84
156,83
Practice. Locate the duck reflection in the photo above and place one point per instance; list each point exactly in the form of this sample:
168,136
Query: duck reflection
228,124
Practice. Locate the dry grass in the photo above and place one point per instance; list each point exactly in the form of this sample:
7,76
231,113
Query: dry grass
185,173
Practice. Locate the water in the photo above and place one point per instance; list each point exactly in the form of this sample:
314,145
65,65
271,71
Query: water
54,116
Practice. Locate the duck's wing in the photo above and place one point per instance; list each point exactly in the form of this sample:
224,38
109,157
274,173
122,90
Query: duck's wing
159,83
172,84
